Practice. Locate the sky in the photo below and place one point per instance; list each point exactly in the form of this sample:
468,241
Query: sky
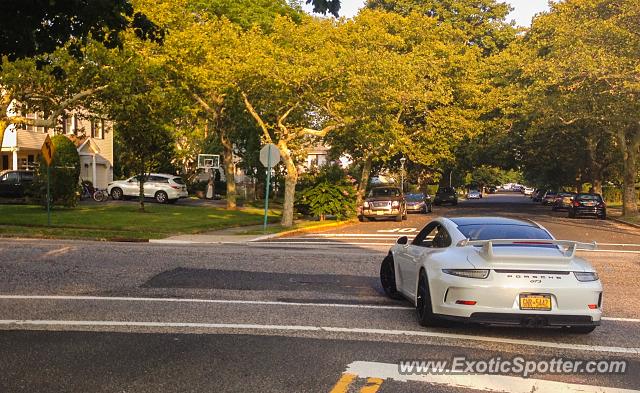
522,14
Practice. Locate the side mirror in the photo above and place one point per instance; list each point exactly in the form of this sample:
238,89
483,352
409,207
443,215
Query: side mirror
403,240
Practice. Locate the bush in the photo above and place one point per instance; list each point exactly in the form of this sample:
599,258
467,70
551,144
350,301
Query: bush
326,191
65,174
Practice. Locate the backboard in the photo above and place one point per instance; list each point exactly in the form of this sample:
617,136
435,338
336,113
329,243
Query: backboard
208,161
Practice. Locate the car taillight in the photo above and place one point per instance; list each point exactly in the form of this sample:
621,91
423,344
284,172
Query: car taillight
466,302
602,204
576,203
176,187
395,204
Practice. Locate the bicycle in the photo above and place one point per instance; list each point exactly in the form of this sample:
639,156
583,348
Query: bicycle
100,195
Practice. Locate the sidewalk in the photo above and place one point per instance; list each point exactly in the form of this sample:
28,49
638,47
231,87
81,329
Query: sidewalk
615,214
247,234
228,235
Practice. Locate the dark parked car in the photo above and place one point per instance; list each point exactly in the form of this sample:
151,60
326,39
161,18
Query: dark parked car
418,203
588,205
15,184
446,195
384,202
549,197
563,201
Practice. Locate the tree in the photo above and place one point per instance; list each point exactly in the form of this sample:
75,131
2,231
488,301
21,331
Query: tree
65,174
39,27
325,6
584,74
144,104
51,89
288,85
413,90
483,21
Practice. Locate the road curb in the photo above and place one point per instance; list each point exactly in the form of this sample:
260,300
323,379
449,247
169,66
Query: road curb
304,230
621,221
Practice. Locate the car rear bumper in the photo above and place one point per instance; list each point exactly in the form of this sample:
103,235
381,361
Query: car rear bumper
528,320
500,293
591,211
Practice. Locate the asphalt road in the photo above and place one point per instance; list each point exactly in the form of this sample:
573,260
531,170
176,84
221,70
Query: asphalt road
304,314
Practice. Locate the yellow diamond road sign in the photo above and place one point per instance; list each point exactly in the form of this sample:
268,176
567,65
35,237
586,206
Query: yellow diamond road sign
48,150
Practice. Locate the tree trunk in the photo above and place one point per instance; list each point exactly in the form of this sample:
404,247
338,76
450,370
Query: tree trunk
3,126
595,168
630,171
141,191
290,181
364,181
596,184
229,169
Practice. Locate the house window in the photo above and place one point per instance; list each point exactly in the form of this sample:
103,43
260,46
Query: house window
97,128
5,162
69,124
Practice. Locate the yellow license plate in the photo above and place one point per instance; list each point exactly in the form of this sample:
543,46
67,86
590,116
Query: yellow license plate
535,302
379,212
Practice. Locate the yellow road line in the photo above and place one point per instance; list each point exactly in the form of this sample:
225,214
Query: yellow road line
372,386
342,386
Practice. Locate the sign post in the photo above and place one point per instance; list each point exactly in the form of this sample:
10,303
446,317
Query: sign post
269,157
48,150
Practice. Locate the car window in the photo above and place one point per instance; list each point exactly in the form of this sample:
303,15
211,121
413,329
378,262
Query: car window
27,176
589,197
11,177
158,179
382,192
178,180
415,197
433,236
502,231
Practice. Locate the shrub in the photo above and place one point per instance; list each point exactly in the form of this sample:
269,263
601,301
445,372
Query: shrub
65,174
326,191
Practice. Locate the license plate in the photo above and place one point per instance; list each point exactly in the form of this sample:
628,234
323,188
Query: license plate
535,302
379,212
589,203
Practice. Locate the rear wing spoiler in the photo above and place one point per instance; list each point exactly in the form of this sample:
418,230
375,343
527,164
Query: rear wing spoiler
568,254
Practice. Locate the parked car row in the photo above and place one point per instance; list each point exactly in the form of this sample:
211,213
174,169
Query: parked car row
390,202
162,187
576,204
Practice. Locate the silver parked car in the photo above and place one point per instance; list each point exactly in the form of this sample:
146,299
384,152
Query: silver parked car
161,187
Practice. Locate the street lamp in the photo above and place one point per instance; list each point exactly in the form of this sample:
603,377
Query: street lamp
402,161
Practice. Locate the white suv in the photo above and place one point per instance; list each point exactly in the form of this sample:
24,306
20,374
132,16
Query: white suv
163,188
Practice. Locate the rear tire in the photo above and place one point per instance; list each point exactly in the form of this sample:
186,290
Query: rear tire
580,329
572,214
388,278
423,302
398,218
603,216
161,197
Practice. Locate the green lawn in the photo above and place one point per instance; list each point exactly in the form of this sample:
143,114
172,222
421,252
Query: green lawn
121,221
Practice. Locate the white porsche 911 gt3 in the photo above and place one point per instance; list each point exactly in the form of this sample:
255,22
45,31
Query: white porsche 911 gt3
494,270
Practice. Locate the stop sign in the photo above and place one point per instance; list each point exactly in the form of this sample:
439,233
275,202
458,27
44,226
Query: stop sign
269,155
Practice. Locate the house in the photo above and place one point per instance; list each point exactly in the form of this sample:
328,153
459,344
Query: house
93,138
